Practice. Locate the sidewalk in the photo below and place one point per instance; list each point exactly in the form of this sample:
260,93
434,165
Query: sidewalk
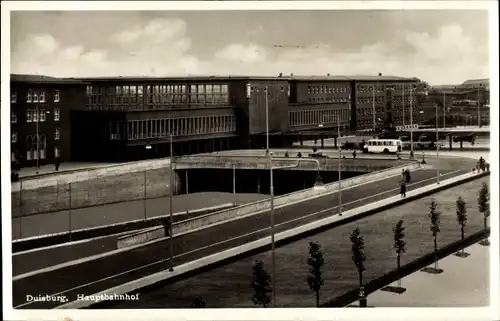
30,172
464,283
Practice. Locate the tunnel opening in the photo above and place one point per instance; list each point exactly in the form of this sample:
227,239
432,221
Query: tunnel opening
254,181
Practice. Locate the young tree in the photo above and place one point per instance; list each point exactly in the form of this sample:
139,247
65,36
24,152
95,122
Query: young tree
483,202
435,217
358,257
462,221
399,244
199,303
261,285
315,261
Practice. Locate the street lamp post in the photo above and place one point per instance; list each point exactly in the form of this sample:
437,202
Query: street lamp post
411,121
171,242
148,148
374,109
403,104
478,108
267,119
437,144
339,166
273,252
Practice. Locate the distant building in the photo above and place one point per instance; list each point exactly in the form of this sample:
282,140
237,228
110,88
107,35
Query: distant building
40,118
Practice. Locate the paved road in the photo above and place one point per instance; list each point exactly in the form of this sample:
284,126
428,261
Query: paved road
49,256
101,274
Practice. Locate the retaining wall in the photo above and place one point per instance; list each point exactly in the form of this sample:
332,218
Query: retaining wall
256,207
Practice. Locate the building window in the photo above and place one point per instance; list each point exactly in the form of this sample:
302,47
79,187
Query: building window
57,134
13,117
29,115
13,98
56,152
35,115
42,115
42,97
57,114
57,95
14,137
43,146
35,97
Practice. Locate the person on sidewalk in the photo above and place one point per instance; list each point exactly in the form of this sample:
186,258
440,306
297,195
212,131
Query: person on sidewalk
354,154
57,163
299,154
487,167
403,189
286,154
407,175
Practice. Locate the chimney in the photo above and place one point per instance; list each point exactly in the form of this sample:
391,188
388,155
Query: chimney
328,74
379,74
291,75
281,74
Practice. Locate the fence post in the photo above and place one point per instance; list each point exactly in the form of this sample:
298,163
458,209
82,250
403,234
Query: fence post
145,194
88,188
69,213
20,197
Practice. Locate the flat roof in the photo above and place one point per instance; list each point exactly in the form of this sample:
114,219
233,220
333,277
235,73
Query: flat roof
40,79
238,77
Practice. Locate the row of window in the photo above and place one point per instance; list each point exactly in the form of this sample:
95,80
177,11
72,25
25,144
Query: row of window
38,152
316,117
36,115
407,109
369,100
319,90
368,111
33,96
159,94
57,136
380,87
329,99
164,127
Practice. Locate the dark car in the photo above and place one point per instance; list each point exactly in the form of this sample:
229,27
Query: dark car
349,145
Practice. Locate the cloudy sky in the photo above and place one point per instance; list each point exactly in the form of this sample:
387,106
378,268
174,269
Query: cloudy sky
442,47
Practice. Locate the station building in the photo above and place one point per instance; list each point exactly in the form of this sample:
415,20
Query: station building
133,118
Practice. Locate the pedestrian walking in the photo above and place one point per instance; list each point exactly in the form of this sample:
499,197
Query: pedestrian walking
286,154
487,167
299,154
407,175
354,154
403,189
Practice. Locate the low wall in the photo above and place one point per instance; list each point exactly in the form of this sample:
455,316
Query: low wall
91,189
256,207
159,231
207,263
286,199
93,232
305,164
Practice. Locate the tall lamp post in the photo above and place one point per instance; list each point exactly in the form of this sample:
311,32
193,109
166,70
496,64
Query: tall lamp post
339,156
171,242
374,109
478,107
437,144
412,87
267,120
148,147
403,104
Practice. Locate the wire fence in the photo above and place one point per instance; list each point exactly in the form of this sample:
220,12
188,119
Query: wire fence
64,205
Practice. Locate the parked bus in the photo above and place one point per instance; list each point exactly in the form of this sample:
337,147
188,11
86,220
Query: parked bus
385,146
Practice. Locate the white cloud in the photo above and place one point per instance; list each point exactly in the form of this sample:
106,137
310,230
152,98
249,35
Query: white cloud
242,53
162,48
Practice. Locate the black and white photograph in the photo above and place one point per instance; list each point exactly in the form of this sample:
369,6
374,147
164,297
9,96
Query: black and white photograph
204,156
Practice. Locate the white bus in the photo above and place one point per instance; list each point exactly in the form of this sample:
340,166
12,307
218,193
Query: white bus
383,146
